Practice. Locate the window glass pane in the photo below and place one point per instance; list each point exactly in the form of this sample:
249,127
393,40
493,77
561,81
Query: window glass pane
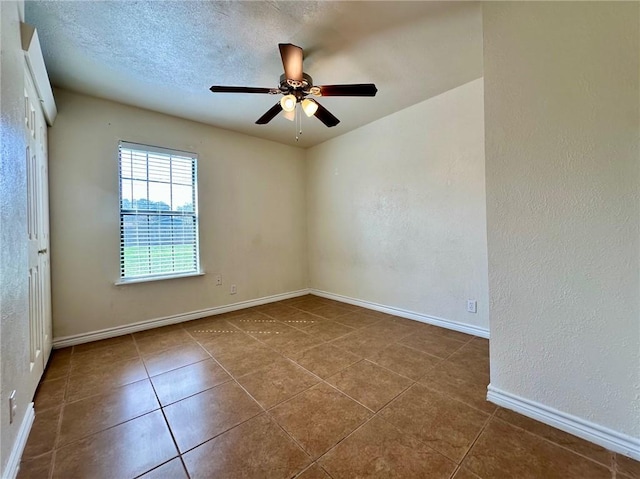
159,196
159,168
126,194
159,235
139,165
182,172
140,200
125,164
182,198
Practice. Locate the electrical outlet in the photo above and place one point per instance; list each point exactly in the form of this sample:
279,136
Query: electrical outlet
234,290
472,306
218,280
13,407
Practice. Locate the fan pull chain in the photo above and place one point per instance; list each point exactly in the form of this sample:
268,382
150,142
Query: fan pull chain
297,122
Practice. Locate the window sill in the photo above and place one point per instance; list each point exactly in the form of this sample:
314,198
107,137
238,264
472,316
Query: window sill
148,279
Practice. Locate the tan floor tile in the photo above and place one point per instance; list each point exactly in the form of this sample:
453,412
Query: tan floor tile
188,380
313,472
170,470
377,314
447,426
174,358
257,323
319,418
84,359
277,382
464,474
88,363
432,343
93,414
328,330
278,311
361,343
369,384
157,332
243,360
331,311
303,320
50,394
94,346
248,314
150,344
562,438
42,438
258,448
291,342
503,451
127,450
325,360
59,364
38,468
108,376
310,305
481,344
210,327
391,330
446,333
378,450
628,466
357,320
226,343
461,384
472,359
404,361
198,418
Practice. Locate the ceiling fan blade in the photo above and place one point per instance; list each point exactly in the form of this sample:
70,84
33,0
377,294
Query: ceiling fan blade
269,115
325,116
291,61
355,89
241,89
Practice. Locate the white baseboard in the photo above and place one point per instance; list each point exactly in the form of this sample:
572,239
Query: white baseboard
66,341
603,436
11,470
403,313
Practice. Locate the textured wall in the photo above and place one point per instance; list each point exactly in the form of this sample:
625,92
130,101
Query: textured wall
397,209
251,204
14,288
561,118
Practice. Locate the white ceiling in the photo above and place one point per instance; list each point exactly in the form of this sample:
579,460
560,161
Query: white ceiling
164,56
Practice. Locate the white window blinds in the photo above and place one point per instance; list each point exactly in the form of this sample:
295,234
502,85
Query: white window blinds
158,212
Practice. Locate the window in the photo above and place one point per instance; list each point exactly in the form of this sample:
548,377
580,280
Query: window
158,212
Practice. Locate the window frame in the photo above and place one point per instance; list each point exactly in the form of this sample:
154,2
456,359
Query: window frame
146,150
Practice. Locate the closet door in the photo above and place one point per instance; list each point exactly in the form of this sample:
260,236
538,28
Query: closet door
38,233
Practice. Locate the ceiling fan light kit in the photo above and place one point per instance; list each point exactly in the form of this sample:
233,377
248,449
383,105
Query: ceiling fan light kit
288,103
309,106
295,86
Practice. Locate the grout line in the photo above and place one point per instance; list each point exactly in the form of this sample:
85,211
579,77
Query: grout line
610,466
484,426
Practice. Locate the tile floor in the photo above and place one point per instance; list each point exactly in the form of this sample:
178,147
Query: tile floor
307,388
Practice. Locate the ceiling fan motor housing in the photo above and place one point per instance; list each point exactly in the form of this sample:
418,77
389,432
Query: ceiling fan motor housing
296,87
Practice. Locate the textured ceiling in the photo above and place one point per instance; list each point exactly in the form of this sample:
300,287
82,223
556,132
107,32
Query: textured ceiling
164,56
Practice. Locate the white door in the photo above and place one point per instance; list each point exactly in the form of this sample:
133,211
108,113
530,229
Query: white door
38,233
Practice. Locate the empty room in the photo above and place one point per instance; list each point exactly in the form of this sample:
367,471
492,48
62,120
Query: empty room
319,239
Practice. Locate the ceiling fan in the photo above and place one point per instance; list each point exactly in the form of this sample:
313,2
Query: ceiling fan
295,86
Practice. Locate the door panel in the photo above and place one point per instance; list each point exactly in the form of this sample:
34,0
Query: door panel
38,234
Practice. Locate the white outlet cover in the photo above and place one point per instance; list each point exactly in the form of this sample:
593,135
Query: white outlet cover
472,306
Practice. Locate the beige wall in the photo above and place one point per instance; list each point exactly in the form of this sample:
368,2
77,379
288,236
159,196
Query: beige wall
561,118
14,288
396,209
251,205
